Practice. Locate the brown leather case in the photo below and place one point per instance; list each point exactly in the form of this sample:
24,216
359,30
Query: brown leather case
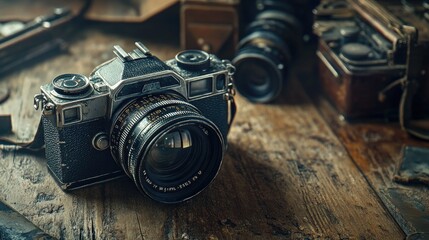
210,25
357,94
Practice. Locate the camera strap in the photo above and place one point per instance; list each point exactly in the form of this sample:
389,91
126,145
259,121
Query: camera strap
37,144
410,87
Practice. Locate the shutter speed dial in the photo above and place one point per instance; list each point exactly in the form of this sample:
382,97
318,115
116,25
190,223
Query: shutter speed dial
71,86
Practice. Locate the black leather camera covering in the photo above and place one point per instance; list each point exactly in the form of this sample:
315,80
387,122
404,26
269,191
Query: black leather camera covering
216,112
70,154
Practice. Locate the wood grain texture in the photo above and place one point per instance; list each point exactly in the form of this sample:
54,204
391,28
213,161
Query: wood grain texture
376,146
285,175
376,149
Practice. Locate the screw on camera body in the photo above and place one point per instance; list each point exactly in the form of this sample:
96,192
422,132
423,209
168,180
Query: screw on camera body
269,45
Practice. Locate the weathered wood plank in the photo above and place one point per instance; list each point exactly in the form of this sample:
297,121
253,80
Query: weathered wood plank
376,149
327,193
375,146
285,176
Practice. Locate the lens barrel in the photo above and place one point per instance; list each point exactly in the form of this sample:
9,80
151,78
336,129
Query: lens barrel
167,147
268,47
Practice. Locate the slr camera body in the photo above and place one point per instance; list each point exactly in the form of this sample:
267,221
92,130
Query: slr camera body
369,49
164,124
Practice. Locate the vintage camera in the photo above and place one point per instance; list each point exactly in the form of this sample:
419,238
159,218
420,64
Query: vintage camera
269,46
370,53
164,124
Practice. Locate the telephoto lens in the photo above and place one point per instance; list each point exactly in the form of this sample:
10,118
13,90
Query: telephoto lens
269,45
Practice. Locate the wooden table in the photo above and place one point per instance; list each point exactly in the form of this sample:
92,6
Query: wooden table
292,170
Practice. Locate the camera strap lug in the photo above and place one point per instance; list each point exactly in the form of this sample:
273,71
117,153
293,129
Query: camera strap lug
229,66
39,101
229,95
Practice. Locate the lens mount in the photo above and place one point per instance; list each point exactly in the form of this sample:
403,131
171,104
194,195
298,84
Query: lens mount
167,147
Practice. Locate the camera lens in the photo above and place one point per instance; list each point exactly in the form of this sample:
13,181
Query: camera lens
267,48
260,61
263,54
167,147
257,74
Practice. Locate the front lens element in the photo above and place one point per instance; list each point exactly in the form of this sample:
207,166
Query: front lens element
170,153
257,76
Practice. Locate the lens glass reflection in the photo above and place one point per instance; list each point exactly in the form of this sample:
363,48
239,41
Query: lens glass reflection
170,152
257,79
